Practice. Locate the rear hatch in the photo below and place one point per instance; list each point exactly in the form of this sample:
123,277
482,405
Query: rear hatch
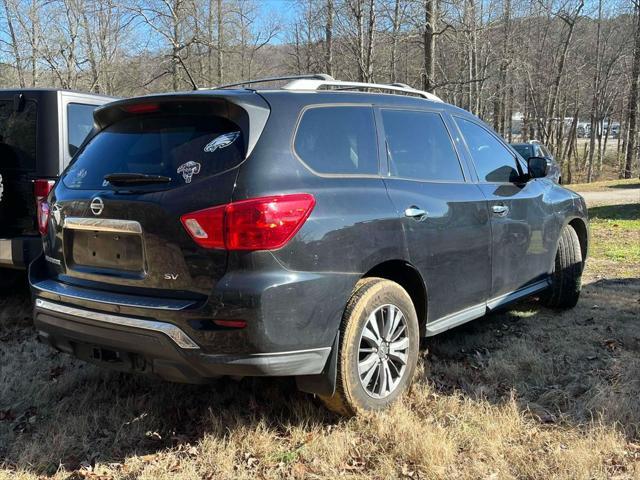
18,130
115,217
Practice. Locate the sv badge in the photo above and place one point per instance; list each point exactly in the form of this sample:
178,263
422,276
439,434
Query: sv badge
171,276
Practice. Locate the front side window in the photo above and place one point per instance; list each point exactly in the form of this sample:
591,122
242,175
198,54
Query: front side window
338,140
18,136
419,146
79,124
494,162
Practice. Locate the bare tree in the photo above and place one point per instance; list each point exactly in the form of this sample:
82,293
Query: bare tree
328,36
632,106
9,10
530,67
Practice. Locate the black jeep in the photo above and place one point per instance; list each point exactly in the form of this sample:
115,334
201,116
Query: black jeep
40,130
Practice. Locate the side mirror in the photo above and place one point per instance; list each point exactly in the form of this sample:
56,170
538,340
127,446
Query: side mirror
538,167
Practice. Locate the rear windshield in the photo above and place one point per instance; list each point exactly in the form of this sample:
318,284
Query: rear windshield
185,148
18,136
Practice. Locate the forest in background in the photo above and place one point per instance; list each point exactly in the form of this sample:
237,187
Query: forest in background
564,72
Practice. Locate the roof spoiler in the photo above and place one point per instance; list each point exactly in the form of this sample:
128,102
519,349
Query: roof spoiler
250,112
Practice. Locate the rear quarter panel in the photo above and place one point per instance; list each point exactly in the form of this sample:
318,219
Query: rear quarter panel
352,228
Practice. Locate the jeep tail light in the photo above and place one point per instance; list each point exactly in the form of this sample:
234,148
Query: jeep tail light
41,189
265,223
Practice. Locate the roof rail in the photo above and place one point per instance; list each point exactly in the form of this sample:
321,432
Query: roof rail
316,76
306,83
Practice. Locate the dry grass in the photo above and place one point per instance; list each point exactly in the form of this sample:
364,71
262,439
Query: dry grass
529,393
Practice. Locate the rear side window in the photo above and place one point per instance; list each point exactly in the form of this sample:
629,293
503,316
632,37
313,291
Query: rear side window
494,162
79,124
338,140
18,136
185,148
545,151
525,151
419,146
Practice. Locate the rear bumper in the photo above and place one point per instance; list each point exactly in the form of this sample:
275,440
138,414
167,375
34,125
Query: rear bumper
18,252
158,348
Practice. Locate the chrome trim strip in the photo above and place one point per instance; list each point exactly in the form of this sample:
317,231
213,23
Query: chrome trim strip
521,292
55,288
476,311
172,331
454,319
55,261
103,225
6,256
273,354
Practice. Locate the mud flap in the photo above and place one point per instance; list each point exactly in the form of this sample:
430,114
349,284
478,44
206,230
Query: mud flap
324,383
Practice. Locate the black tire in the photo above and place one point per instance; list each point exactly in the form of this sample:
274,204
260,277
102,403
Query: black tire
566,278
373,298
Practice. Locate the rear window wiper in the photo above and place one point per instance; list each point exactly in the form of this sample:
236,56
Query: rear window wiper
135,179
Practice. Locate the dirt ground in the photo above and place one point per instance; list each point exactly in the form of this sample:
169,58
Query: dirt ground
612,196
526,393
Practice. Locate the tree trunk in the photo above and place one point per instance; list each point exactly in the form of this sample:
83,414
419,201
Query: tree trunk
394,42
93,64
428,42
371,30
594,99
328,33
632,106
220,44
571,141
35,38
501,85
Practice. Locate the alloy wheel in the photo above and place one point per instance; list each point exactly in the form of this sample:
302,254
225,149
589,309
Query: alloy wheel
383,351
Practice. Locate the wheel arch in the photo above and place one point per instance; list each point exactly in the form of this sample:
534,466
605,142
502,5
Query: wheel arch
407,276
581,229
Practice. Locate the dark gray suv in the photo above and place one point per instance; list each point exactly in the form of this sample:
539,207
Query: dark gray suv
315,230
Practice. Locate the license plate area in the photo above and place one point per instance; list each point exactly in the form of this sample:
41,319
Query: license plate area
104,250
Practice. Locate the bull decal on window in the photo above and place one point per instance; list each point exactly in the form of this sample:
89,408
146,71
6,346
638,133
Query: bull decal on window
188,170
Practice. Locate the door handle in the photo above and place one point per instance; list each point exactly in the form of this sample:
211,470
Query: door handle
500,210
415,212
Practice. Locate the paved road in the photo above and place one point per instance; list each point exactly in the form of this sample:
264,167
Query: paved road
612,196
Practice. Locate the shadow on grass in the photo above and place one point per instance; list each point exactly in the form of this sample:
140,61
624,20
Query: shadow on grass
625,185
558,362
573,366
629,211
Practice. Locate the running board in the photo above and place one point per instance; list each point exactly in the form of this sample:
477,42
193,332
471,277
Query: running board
455,319
476,311
522,292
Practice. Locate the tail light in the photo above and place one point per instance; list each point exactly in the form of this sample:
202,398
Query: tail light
41,189
141,108
265,223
